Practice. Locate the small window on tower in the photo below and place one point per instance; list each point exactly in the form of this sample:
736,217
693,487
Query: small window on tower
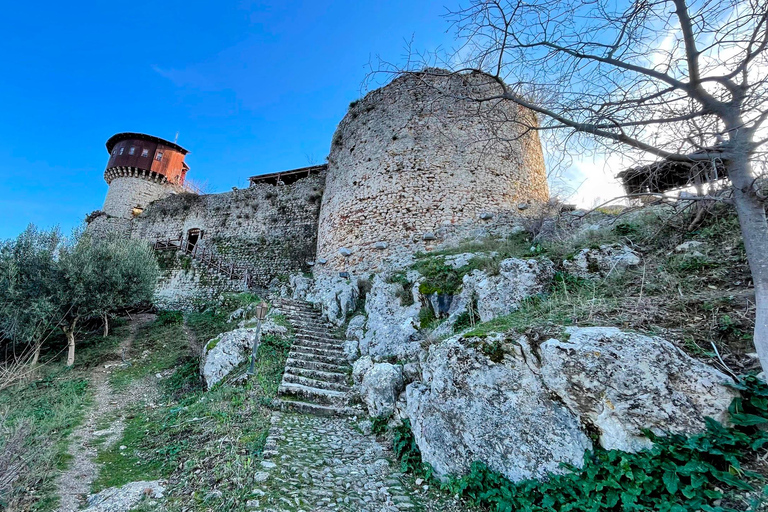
159,156
145,152
132,151
121,150
114,151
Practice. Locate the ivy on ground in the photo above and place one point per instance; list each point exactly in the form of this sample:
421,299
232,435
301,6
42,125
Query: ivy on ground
703,472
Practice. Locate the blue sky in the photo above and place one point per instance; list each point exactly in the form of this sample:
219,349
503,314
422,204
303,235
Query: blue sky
250,87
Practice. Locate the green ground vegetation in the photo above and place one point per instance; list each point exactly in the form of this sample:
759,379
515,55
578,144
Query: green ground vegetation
696,299
206,443
38,416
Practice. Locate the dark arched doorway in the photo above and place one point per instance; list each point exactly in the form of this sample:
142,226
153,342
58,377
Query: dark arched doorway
194,235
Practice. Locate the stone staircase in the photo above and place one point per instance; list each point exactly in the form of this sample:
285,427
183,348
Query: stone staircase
316,377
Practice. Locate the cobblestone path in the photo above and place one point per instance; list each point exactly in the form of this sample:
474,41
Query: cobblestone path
318,455
315,463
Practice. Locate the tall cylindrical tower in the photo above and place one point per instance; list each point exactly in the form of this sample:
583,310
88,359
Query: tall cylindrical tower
417,162
141,169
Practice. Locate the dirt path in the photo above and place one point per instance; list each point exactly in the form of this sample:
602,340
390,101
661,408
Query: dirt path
75,483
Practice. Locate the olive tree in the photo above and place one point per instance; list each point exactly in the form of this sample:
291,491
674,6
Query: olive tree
28,277
681,80
99,276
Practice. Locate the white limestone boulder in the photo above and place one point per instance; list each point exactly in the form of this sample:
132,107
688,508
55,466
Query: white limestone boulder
501,294
380,387
468,408
229,350
360,368
356,328
624,382
602,261
391,329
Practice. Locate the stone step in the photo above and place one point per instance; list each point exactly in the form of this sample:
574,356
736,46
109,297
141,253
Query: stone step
341,378
313,331
318,337
309,321
312,394
311,364
314,342
289,378
315,409
330,351
299,354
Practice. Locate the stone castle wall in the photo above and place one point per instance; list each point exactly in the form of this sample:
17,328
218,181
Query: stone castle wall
185,284
127,192
268,228
414,161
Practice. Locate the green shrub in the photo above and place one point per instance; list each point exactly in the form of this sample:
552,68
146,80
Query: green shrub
169,317
378,425
426,317
404,292
407,451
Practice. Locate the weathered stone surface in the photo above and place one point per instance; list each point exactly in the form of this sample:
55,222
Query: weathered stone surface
601,262
268,229
360,368
469,408
690,246
122,499
229,350
391,328
623,382
336,296
356,328
406,167
501,294
381,386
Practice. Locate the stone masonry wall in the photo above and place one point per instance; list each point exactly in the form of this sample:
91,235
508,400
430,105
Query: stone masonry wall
127,192
184,283
271,229
414,159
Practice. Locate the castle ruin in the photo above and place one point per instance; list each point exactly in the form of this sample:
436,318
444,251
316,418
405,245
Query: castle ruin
413,165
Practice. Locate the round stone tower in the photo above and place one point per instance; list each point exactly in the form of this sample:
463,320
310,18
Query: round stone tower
141,169
417,163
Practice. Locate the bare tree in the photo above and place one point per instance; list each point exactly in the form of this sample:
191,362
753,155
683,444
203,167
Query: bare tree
681,80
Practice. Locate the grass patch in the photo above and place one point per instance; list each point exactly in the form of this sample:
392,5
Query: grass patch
46,411
157,347
199,440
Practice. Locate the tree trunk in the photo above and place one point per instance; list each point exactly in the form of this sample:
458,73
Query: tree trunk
36,355
69,331
754,231
106,325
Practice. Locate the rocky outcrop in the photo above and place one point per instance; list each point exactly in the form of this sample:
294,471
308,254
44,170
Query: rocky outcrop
229,350
624,382
468,408
527,412
336,296
602,261
497,295
380,387
391,328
